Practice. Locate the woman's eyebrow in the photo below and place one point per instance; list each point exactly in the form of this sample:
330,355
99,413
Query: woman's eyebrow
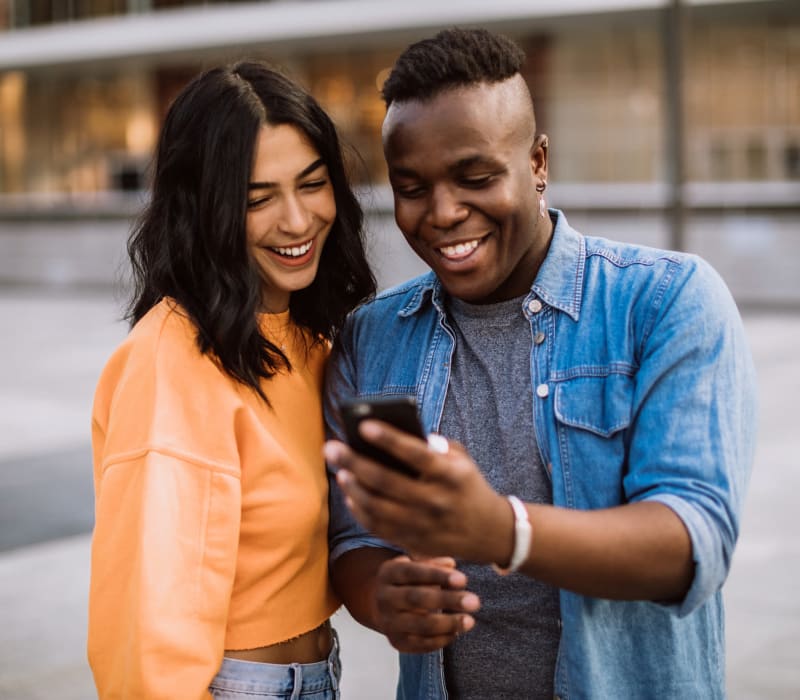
306,171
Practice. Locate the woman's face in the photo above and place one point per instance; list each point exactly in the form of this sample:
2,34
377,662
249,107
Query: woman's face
290,211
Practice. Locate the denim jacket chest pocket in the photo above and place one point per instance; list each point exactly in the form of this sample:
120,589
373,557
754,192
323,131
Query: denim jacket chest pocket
592,414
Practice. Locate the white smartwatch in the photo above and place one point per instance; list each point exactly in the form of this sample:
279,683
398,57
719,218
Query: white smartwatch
522,537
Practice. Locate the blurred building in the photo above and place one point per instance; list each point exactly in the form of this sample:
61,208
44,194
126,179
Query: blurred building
84,84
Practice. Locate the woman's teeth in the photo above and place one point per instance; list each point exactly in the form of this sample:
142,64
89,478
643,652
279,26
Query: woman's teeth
459,250
294,251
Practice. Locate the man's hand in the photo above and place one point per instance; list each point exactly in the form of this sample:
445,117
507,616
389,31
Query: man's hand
421,604
636,551
449,510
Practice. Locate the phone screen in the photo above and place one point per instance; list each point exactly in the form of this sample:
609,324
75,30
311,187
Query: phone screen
399,411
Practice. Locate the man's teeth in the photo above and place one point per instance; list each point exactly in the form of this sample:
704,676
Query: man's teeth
294,251
459,250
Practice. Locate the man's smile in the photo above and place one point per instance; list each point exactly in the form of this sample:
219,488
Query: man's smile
459,251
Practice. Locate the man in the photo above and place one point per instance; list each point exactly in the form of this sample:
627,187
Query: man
598,399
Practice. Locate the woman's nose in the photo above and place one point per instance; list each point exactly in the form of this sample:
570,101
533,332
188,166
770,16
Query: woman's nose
295,216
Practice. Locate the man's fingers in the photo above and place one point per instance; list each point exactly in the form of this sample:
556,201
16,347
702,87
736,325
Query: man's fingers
379,480
415,633
426,599
408,448
405,585
425,625
422,603
402,571
416,644
378,514
444,562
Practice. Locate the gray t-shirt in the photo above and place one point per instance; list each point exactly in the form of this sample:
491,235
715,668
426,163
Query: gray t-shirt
511,652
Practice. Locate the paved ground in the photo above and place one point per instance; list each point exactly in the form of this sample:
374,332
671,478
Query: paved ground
52,349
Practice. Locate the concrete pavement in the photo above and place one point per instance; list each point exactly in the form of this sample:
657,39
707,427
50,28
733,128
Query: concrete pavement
53,347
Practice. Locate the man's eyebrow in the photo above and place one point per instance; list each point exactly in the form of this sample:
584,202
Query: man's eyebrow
459,166
318,163
469,161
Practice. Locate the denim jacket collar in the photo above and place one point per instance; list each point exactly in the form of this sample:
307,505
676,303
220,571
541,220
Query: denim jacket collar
559,282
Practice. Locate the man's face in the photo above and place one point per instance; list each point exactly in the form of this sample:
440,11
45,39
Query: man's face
463,168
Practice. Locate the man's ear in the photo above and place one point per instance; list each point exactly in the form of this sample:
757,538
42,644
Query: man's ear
539,157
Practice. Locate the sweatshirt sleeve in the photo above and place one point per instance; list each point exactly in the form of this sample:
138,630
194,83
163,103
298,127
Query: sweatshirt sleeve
163,563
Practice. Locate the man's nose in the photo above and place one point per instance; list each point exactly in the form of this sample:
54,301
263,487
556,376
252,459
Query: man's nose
445,208
295,216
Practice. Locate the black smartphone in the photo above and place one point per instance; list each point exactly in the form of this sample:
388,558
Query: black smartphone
399,411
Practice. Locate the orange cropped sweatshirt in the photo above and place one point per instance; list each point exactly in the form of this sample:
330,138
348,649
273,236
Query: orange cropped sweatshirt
211,509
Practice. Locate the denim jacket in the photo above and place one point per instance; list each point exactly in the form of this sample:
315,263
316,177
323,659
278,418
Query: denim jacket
643,390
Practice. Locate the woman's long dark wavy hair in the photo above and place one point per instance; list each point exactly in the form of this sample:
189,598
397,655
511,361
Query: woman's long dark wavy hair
190,242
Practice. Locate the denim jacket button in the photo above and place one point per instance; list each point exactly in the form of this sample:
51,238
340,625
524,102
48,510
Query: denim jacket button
534,306
543,391
538,339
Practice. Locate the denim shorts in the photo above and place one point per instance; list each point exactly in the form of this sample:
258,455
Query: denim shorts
238,679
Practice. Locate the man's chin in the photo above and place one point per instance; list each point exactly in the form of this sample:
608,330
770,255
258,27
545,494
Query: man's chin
465,290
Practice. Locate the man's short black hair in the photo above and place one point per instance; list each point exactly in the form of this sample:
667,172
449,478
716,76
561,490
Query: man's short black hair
454,57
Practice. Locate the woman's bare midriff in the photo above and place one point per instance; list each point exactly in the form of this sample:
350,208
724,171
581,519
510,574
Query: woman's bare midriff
308,648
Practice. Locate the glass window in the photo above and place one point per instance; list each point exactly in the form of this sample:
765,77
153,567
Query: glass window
80,134
742,98
348,86
33,12
12,136
791,160
604,105
598,91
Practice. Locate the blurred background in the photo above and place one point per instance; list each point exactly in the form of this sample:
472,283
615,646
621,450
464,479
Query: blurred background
671,123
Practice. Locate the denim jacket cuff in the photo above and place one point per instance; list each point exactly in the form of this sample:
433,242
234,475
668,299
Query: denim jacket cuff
710,572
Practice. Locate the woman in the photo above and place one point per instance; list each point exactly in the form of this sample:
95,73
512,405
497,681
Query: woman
209,556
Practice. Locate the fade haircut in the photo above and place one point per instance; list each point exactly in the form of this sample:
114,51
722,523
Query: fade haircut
453,58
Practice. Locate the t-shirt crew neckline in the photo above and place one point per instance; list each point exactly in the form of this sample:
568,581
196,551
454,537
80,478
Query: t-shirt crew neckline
510,309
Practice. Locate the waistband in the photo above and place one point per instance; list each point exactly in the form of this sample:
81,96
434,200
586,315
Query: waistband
280,679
